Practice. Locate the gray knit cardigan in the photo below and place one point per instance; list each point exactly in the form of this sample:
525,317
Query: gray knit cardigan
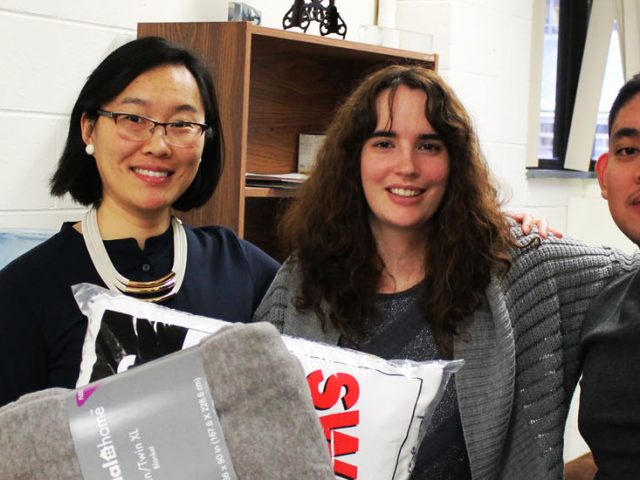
520,352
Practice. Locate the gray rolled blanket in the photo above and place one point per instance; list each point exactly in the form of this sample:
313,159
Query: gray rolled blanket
261,398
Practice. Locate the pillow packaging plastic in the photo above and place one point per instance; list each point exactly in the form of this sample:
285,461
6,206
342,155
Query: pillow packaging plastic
373,412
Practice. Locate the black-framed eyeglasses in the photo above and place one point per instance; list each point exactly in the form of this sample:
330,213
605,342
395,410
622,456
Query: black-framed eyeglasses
139,128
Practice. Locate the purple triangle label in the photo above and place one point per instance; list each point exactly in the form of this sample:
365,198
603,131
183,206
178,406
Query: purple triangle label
83,394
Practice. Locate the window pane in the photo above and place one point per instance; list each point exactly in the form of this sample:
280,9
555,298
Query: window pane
548,89
613,80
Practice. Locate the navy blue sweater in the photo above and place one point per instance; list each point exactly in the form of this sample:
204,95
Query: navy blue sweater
42,330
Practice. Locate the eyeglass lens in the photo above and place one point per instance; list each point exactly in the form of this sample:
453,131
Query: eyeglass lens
181,134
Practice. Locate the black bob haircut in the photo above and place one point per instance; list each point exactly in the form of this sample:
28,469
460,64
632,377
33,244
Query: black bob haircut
77,173
626,93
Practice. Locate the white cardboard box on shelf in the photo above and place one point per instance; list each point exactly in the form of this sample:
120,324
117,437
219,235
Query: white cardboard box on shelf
308,146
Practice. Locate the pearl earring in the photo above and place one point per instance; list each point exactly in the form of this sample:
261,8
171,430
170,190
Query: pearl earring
90,149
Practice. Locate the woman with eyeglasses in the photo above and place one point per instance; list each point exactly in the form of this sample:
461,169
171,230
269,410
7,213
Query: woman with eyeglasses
144,139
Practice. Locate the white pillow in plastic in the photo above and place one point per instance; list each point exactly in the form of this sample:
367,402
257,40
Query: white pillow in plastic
374,412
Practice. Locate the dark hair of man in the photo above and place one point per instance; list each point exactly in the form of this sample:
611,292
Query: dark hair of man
626,93
327,226
77,173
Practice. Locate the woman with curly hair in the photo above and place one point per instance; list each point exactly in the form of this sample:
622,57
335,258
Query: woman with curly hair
401,250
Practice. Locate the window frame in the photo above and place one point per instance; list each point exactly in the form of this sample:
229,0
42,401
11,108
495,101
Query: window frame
580,113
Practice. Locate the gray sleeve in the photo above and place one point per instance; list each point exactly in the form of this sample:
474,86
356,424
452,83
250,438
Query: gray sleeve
555,283
276,305
278,308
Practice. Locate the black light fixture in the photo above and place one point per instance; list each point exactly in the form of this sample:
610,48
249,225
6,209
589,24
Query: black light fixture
302,13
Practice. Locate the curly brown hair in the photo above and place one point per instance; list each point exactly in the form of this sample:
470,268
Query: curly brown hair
327,226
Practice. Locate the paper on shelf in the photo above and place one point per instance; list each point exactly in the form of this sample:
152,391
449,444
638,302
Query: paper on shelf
292,177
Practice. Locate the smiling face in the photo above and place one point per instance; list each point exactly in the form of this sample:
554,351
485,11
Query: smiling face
619,171
404,165
144,178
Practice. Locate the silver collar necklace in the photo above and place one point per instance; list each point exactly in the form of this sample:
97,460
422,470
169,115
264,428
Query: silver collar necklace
153,291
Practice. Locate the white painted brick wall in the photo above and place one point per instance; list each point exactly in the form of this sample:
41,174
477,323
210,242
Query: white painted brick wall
433,17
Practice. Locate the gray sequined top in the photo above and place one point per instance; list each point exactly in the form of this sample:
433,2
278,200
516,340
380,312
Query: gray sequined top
399,330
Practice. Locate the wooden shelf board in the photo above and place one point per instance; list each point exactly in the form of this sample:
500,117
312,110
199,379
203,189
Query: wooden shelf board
259,192
348,47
